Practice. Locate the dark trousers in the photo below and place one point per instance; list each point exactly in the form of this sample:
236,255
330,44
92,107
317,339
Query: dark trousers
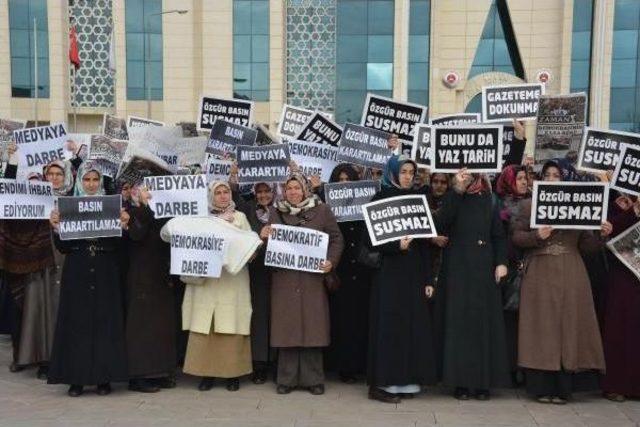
300,366
559,383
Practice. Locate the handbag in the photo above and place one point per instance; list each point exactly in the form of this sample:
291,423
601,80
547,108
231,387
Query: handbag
511,288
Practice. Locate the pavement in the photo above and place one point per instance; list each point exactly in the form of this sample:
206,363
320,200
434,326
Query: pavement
27,401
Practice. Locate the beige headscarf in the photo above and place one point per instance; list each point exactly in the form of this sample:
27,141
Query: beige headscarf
223,212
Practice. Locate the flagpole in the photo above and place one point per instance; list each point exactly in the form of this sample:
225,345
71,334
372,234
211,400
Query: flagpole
35,68
74,103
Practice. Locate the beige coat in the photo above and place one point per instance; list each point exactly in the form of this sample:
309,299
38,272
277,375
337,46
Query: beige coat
226,300
558,328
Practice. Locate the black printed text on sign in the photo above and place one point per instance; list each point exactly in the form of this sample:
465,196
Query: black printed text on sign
89,217
25,199
198,255
292,120
394,218
421,149
455,119
178,195
392,116
364,146
346,198
296,248
320,129
600,149
626,176
39,147
232,110
267,163
475,147
569,205
226,136
500,103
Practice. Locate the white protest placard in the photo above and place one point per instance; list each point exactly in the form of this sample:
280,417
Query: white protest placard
292,119
38,147
517,101
313,158
178,195
626,247
115,127
217,169
133,122
569,205
25,199
199,254
296,248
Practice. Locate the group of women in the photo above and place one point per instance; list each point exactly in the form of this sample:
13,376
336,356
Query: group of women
489,303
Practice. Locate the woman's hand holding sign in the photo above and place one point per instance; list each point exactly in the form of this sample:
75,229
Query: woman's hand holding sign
326,266
405,242
54,219
606,229
265,232
429,290
124,219
501,271
544,232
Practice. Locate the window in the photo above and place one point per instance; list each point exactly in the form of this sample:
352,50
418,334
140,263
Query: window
624,113
251,49
497,49
364,54
22,45
581,46
143,24
419,29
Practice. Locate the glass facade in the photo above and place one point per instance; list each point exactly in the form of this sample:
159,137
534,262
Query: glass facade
581,45
143,26
22,46
251,49
419,36
364,54
624,111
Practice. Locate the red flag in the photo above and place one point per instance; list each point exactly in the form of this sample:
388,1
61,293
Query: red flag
74,55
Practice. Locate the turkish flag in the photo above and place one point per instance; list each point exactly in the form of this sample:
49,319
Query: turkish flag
74,55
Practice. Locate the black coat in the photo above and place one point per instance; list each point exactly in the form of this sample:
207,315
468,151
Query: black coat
469,303
151,321
401,341
89,343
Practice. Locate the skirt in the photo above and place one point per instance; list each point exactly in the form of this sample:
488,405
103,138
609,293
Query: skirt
218,355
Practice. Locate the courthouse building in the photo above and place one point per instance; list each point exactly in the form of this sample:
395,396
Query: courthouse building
319,54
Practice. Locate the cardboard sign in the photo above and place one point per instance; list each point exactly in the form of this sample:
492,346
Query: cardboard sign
292,120
140,165
504,102
600,148
569,205
625,246
37,147
626,176
364,146
264,136
318,159
114,127
89,217
133,121
512,149
475,147
235,111
561,120
269,163
346,198
199,254
77,144
218,169
296,248
391,116
392,219
178,195
108,153
226,136
421,148
25,199
320,129
8,127
455,119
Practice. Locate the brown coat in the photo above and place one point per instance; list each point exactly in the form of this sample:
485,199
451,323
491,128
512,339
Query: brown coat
299,304
558,326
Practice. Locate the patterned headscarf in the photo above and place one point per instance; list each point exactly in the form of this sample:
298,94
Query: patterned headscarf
84,169
262,212
309,200
223,212
506,184
67,184
480,183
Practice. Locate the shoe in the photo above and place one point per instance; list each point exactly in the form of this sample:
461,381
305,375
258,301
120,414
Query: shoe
43,372
283,389
165,382
380,395
406,395
75,390
461,393
103,389
482,394
206,384
14,367
143,386
348,378
317,389
614,397
557,400
259,376
233,384
544,399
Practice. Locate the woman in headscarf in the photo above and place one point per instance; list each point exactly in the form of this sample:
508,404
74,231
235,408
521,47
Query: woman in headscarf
299,305
32,272
439,184
401,335
349,305
469,301
225,352
559,343
89,342
150,329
